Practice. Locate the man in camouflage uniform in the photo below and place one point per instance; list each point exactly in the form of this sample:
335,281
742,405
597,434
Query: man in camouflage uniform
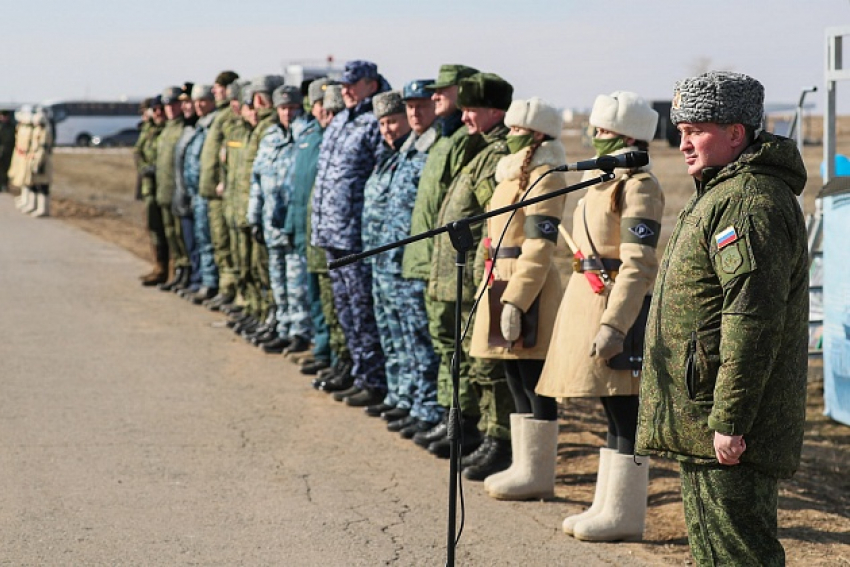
204,103
267,209
165,185
724,383
145,150
253,255
181,199
236,132
446,158
484,394
337,377
211,188
350,149
390,112
415,394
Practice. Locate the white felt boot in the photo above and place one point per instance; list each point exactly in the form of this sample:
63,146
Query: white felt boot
534,477
23,198
598,495
517,421
32,202
42,207
623,516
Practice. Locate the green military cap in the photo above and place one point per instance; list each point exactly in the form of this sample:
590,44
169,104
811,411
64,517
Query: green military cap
451,75
485,90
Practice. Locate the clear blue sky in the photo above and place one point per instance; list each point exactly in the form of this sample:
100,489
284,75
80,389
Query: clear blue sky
565,51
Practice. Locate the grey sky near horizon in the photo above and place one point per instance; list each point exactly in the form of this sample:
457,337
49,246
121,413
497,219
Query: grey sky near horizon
564,51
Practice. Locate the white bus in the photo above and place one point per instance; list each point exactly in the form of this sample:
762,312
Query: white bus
75,123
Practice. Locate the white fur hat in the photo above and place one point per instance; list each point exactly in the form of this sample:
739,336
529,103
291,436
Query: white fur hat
625,113
23,115
535,114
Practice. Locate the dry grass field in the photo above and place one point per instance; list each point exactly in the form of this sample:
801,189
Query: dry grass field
94,190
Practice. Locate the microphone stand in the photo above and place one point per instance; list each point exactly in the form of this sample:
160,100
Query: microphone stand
462,241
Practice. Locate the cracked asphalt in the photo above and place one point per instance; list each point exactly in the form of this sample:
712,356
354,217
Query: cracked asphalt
134,431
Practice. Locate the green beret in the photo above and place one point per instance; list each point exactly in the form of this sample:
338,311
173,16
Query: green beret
225,78
485,90
451,75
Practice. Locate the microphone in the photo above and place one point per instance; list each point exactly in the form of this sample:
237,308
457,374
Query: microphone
607,163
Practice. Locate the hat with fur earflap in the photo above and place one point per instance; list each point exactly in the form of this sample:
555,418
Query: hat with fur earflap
535,114
625,113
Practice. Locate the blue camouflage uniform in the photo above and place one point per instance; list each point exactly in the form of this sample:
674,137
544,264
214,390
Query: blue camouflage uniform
376,196
267,205
200,207
350,149
300,186
405,298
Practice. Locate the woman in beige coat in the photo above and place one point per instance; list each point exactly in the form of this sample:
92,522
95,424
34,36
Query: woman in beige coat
618,222
517,313
19,174
39,163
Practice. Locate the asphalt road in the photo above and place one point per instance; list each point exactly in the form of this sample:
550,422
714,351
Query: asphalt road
135,432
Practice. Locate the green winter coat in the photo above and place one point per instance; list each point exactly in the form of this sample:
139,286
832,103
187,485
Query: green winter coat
166,144
468,195
236,133
211,153
145,150
446,158
266,117
726,341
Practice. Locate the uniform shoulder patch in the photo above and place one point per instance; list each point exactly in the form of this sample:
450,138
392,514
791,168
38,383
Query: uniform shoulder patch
541,226
726,237
634,230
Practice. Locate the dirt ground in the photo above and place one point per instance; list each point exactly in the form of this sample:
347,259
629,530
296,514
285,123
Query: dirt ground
93,189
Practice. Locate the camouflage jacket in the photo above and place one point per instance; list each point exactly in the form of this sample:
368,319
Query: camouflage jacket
236,133
350,149
147,144
181,200
376,196
468,195
299,184
192,156
166,145
402,196
269,197
726,340
245,167
446,158
211,154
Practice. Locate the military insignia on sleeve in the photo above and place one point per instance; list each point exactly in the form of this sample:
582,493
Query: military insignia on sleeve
725,238
642,231
547,227
730,259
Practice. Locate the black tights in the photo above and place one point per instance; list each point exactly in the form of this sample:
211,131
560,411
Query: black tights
622,422
523,375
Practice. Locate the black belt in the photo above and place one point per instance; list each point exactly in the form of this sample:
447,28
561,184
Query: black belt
592,264
506,252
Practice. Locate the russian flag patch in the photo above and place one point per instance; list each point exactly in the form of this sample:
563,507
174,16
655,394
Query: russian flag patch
726,237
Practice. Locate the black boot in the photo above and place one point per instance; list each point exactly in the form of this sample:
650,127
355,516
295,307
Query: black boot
477,454
365,397
470,439
183,283
377,409
399,424
419,426
204,294
437,432
219,301
394,414
298,344
314,367
496,459
275,346
169,285
339,380
342,395
262,339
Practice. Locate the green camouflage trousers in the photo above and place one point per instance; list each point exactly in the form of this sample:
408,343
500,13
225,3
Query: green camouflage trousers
174,237
731,515
339,348
248,287
441,324
156,231
220,234
495,402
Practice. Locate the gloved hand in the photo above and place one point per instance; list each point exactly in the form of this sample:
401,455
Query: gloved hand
608,342
511,321
257,234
